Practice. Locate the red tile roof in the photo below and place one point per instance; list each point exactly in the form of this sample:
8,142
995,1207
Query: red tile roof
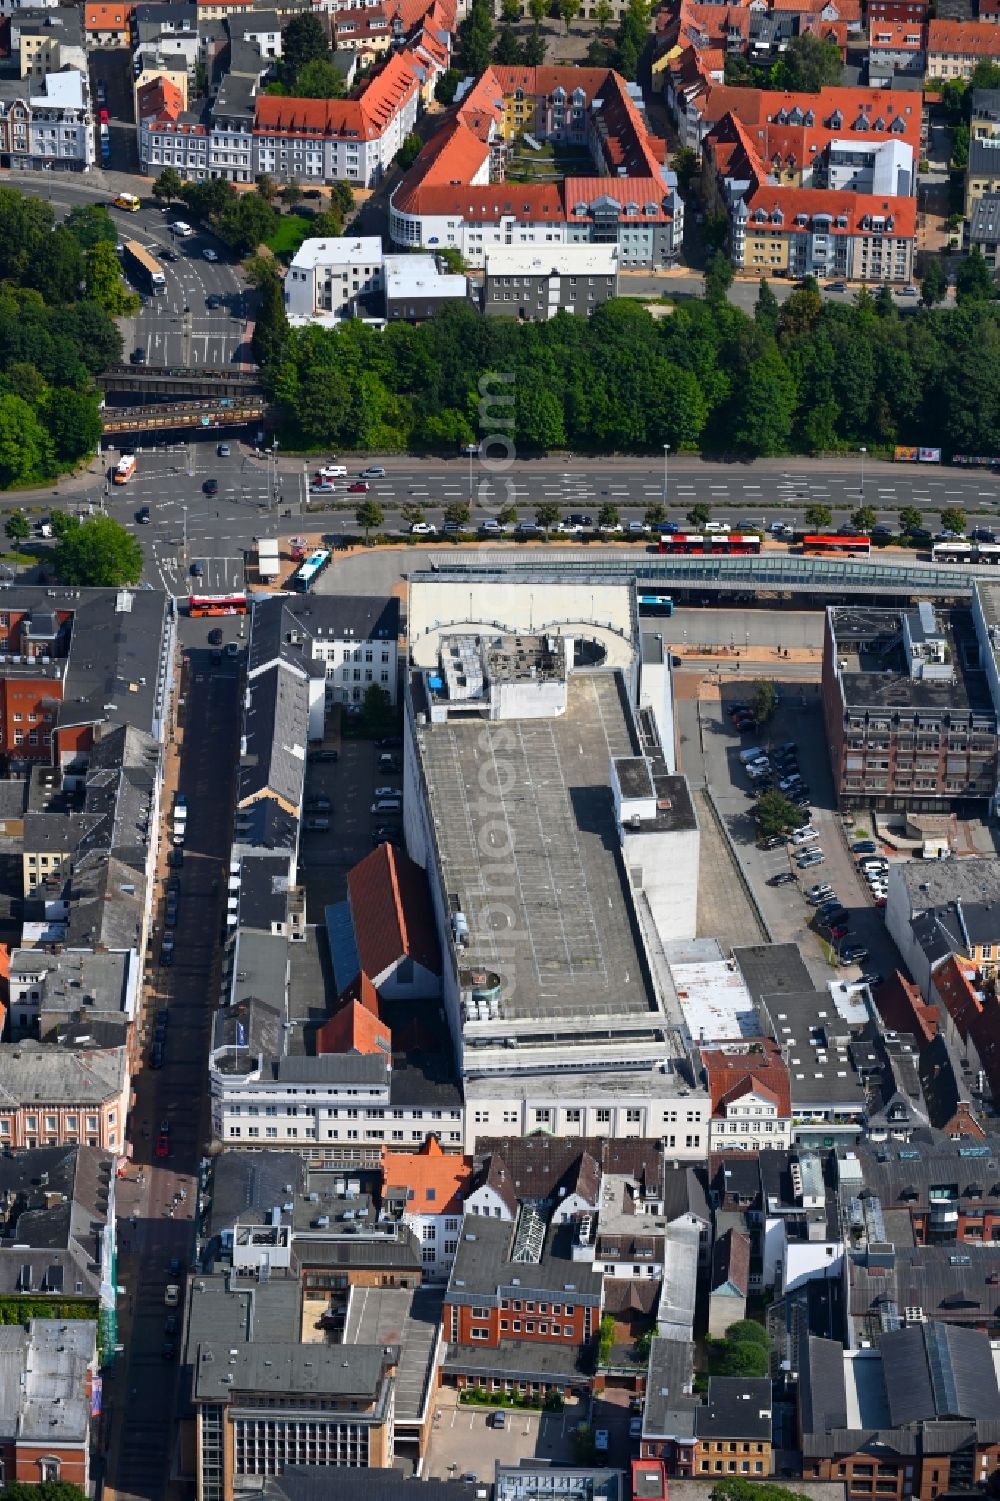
391,908
901,36
436,1183
102,17
758,1067
353,1029
159,100
903,1008
964,38
366,117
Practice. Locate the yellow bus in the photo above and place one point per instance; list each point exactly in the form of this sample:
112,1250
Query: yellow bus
128,201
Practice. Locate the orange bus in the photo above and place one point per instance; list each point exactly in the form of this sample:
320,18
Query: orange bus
217,604
124,469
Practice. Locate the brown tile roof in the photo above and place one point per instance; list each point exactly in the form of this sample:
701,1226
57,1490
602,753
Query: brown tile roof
353,1029
903,1008
391,909
731,1261
964,38
631,1294
734,1071
538,1167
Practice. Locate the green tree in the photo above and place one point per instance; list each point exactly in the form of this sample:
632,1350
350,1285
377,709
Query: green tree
568,12
739,1357
291,193
954,97
534,48
508,51
687,165
89,223
25,446
342,199
304,40
510,12
105,285
475,38
457,513
547,515
447,86
818,517
538,10
17,527
960,148
953,519
270,334
910,519
985,75
246,222
810,63
603,14
608,517
974,279
935,283
764,700
412,514
767,309
657,512
507,515
748,1329
451,259
266,186
168,185
764,408
735,1488
319,79
49,1490
864,518
718,277
699,515
57,266
409,151
73,419
377,706
369,514
99,553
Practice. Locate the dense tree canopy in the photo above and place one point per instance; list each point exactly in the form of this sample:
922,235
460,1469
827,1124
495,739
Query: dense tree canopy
98,553
55,334
806,377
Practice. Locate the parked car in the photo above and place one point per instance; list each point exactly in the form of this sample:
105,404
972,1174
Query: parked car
872,979
813,857
853,953
864,847
374,471
162,1145
423,529
498,1419
783,878
318,805
602,1440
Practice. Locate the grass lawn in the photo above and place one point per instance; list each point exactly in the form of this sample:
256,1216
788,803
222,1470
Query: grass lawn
291,231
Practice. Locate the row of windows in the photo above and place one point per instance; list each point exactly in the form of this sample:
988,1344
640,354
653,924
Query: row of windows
310,1133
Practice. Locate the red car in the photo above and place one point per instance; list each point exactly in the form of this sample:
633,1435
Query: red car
163,1145
360,487
103,116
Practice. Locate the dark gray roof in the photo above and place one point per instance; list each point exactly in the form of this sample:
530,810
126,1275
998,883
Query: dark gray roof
670,1402
114,671
822,1389
953,1283
984,157
524,1359
424,1079
986,103
264,825
738,1407
773,969
937,1371
246,1186
284,626
275,728
485,1262
263,894
985,221
901,1176
333,1483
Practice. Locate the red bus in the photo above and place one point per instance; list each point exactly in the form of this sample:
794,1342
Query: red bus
838,547
217,604
678,543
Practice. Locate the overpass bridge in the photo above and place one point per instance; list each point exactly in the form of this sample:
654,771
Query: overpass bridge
227,411
768,579
176,383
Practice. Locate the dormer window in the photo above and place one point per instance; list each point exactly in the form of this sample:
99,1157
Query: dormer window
809,118
795,117
777,217
802,220
841,221
760,216
836,120
898,125
880,123
862,122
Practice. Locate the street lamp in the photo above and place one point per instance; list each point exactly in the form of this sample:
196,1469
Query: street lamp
274,460
666,451
862,451
184,549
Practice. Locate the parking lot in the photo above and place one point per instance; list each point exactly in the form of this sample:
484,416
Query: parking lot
348,785
462,1441
789,917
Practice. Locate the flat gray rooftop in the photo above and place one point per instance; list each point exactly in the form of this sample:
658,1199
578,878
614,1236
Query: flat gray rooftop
536,866
409,1318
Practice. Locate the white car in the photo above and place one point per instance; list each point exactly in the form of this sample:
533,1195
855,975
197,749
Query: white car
386,792
209,254
180,229
636,528
423,529
802,836
332,471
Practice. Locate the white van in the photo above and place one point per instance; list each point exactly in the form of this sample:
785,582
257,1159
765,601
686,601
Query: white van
753,753
387,805
180,229
718,526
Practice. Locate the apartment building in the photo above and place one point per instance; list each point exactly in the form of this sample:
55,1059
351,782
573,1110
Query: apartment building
331,140
456,194
749,1089
982,175
46,1428
955,47
817,231
353,638
350,277
520,1312
426,1190
733,1428
55,1096
909,716
47,39
534,284
46,123
107,23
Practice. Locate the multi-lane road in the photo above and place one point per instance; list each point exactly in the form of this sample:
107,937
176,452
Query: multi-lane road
178,328
251,501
